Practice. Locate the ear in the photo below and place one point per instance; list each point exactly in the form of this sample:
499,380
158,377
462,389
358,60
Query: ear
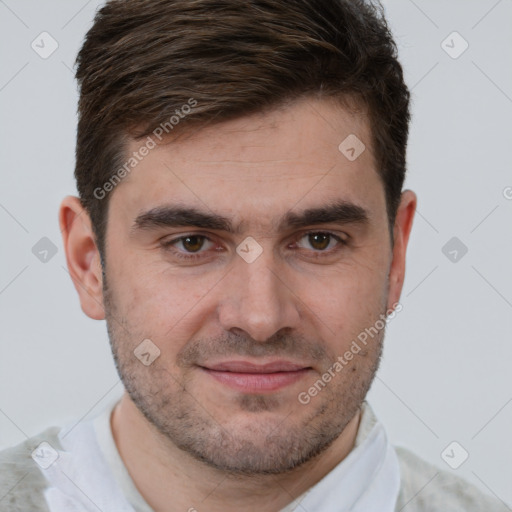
401,231
82,256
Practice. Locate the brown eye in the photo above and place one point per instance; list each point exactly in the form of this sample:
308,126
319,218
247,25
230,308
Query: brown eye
319,241
192,243
318,244
188,246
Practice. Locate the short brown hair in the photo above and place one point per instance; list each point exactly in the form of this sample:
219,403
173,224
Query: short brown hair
144,59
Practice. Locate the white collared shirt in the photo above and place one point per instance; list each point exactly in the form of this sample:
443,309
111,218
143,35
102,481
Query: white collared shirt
367,480
90,473
78,469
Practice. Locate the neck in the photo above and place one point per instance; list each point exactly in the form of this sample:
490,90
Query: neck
171,480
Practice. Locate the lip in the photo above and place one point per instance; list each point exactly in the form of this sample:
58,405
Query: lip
248,367
256,378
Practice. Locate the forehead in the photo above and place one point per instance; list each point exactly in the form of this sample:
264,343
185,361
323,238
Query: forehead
261,165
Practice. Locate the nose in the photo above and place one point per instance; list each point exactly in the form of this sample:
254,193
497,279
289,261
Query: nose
257,299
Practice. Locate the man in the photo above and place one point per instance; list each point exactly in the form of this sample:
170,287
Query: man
242,228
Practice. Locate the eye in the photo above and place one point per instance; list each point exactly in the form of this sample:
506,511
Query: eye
195,246
186,247
321,241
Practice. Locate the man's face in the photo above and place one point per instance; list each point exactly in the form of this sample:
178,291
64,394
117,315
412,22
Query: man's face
241,339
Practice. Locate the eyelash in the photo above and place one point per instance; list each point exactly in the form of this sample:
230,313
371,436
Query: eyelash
168,245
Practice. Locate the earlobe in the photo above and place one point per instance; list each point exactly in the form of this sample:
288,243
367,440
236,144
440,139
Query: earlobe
82,256
402,230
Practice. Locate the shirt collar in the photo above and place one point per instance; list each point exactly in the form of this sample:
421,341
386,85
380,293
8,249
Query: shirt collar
366,480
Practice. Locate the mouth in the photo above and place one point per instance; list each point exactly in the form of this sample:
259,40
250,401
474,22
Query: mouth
249,377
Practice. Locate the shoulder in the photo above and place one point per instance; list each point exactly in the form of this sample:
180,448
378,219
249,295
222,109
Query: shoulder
22,482
426,488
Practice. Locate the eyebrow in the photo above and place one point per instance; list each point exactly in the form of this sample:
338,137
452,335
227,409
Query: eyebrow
339,212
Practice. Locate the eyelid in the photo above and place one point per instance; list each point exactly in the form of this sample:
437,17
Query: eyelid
169,244
341,241
298,236
335,234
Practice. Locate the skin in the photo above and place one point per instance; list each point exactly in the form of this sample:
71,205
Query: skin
215,447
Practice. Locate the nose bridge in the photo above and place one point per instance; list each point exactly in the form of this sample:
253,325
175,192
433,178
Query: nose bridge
257,301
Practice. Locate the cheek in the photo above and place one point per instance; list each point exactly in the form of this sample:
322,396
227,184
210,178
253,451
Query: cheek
347,303
157,303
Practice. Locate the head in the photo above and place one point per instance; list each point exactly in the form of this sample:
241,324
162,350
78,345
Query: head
240,169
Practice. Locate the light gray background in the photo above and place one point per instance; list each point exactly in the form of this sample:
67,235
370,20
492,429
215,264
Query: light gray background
446,372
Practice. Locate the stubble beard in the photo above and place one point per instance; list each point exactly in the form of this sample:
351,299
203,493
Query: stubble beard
275,445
